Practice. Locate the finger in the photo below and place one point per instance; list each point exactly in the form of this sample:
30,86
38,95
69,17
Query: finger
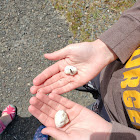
42,107
58,84
55,133
53,104
62,100
65,88
54,78
42,117
57,55
45,88
34,89
35,102
47,73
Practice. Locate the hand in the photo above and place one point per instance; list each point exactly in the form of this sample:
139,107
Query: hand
88,57
84,124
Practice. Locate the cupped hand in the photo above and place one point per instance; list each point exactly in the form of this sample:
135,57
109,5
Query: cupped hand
84,124
88,57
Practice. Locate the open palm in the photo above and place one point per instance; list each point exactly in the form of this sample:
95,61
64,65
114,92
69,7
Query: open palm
84,124
87,57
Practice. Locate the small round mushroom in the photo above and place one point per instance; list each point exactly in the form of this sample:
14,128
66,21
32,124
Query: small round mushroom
70,70
61,118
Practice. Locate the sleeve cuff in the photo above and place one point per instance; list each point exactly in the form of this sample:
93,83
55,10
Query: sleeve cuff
121,132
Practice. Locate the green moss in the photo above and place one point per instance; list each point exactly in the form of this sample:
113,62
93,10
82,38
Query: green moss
120,5
79,12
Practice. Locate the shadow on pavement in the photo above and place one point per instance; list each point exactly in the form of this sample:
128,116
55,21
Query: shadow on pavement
26,129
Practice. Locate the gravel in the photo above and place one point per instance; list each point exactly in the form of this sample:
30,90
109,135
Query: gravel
28,29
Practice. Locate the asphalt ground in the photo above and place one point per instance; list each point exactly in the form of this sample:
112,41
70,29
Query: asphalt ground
28,29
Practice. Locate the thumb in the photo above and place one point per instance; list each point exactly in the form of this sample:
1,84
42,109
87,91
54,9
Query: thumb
57,55
55,133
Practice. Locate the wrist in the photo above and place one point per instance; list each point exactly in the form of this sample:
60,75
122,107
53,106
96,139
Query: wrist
107,54
105,133
108,133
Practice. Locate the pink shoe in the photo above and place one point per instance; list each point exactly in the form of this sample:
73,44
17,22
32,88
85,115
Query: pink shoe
10,110
2,127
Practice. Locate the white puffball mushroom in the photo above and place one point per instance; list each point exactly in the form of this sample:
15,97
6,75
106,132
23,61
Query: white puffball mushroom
71,70
61,118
